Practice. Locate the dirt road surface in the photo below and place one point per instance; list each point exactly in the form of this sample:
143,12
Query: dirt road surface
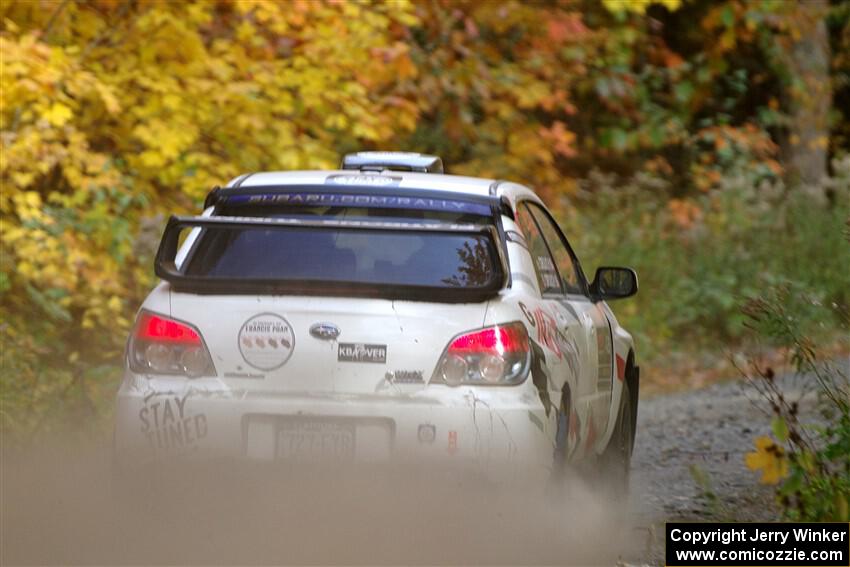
688,462
59,504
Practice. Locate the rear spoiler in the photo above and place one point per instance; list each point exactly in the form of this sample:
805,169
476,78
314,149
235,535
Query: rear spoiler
165,265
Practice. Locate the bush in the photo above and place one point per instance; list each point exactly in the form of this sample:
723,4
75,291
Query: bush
809,462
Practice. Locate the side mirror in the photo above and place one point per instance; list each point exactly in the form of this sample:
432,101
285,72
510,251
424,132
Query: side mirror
613,283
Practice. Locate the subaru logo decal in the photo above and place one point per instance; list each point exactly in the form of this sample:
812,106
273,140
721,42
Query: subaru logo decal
325,331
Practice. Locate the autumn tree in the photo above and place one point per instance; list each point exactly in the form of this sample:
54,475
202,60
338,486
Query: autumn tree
113,112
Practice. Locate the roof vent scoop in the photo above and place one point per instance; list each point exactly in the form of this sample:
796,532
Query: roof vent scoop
394,161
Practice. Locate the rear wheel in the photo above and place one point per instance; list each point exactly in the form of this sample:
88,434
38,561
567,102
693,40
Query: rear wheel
615,461
562,436
567,479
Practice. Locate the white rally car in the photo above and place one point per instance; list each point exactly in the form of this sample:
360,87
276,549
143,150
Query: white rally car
381,311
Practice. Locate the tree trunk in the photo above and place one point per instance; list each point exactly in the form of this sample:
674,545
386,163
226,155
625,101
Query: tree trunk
807,97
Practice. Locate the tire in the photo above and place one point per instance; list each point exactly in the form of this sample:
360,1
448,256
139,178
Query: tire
615,461
560,458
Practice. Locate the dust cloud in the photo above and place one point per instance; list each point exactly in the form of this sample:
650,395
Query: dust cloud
62,504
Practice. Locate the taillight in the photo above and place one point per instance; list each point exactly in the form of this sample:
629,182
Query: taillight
161,345
494,356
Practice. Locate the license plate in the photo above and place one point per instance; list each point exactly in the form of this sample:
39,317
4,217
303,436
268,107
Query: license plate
311,441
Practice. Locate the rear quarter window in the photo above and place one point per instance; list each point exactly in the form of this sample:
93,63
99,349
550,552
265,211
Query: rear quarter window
544,266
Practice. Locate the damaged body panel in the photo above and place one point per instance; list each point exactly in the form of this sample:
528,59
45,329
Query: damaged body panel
471,428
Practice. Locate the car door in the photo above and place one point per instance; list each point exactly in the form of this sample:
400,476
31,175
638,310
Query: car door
561,331
597,363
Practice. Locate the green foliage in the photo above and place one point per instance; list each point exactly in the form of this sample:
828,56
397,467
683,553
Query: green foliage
697,258
813,459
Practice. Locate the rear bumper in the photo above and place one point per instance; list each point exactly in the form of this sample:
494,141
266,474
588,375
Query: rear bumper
480,428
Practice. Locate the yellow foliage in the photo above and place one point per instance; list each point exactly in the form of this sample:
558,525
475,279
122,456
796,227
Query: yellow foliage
58,114
770,459
639,6
117,112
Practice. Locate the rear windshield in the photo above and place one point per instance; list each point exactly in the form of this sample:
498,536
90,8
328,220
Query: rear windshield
342,255
339,255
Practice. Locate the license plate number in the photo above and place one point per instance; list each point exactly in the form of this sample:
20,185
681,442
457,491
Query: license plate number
315,441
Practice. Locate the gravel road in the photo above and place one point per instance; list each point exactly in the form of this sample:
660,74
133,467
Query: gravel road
688,461
58,507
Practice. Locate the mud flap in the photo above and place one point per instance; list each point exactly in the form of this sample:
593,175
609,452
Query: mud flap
634,388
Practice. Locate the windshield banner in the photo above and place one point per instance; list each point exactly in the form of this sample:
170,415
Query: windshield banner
313,199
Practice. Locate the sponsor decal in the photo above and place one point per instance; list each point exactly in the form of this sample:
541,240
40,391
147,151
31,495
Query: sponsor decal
169,426
605,359
545,263
550,280
547,331
547,273
359,200
363,180
362,352
266,341
247,375
452,448
551,336
407,376
528,316
621,368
